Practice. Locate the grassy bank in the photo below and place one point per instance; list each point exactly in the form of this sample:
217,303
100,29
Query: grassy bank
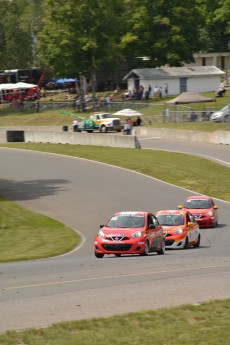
204,324
27,235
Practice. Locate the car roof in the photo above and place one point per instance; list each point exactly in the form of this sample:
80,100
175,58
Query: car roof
199,197
131,213
171,212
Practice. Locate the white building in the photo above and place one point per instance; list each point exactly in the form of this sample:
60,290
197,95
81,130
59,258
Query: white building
220,59
177,79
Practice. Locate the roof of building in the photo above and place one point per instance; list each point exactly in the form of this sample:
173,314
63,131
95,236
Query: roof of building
174,72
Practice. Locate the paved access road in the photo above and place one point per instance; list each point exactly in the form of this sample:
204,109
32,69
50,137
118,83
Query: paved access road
83,194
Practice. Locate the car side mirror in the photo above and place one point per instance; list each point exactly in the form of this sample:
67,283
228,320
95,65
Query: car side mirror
180,206
151,226
215,207
101,226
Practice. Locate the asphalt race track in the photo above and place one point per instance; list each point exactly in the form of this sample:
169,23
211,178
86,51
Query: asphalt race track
82,195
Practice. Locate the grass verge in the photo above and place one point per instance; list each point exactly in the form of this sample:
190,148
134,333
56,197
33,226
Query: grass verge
204,324
27,235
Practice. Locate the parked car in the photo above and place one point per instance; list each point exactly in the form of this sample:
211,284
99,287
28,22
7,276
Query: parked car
221,115
203,209
130,233
180,229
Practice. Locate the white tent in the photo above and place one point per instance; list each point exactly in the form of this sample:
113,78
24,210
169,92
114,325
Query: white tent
16,86
128,112
6,87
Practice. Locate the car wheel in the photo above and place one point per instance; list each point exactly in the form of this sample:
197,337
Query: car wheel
186,243
162,250
197,244
146,249
215,224
103,129
117,255
98,255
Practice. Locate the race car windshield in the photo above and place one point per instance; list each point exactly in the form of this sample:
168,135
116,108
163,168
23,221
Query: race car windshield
193,204
126,222
170,219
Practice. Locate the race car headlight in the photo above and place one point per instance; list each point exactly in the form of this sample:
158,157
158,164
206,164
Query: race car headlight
178,231
209,214
136,234
101,234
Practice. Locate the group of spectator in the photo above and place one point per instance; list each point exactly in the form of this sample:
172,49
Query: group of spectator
141,93
129,123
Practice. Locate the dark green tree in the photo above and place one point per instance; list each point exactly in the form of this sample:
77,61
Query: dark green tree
80,36
16,21
166,31
216,32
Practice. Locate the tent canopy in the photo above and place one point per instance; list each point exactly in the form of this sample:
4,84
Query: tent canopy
127,112
189,97
16,86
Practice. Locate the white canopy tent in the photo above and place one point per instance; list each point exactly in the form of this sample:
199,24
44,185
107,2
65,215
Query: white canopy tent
17,86
128,112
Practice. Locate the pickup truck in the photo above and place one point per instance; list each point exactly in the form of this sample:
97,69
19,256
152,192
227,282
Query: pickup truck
106,122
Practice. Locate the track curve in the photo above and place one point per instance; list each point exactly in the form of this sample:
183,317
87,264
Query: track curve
82,194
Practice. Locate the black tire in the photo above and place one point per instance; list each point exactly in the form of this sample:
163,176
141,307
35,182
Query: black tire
118,130
90,131
103,129
117,255
162,250
146,249
186,243
197,244
98,255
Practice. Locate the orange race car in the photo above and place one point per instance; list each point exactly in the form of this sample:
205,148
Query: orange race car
180,228
203,209
130,233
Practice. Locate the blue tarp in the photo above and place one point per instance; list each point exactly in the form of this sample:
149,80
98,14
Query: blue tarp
65,80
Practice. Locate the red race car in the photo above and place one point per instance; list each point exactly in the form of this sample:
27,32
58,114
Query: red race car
180,229
203,209
130,233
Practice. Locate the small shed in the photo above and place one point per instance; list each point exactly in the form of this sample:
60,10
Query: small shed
175,80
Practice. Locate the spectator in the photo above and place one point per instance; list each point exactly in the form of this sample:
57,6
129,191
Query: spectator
37,106
138,121
166,89
75,125
127,126
193,116
149,90
107,100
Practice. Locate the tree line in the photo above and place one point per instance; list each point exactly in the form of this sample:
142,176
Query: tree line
75,37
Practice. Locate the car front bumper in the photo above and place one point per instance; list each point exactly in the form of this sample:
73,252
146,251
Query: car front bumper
136,246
